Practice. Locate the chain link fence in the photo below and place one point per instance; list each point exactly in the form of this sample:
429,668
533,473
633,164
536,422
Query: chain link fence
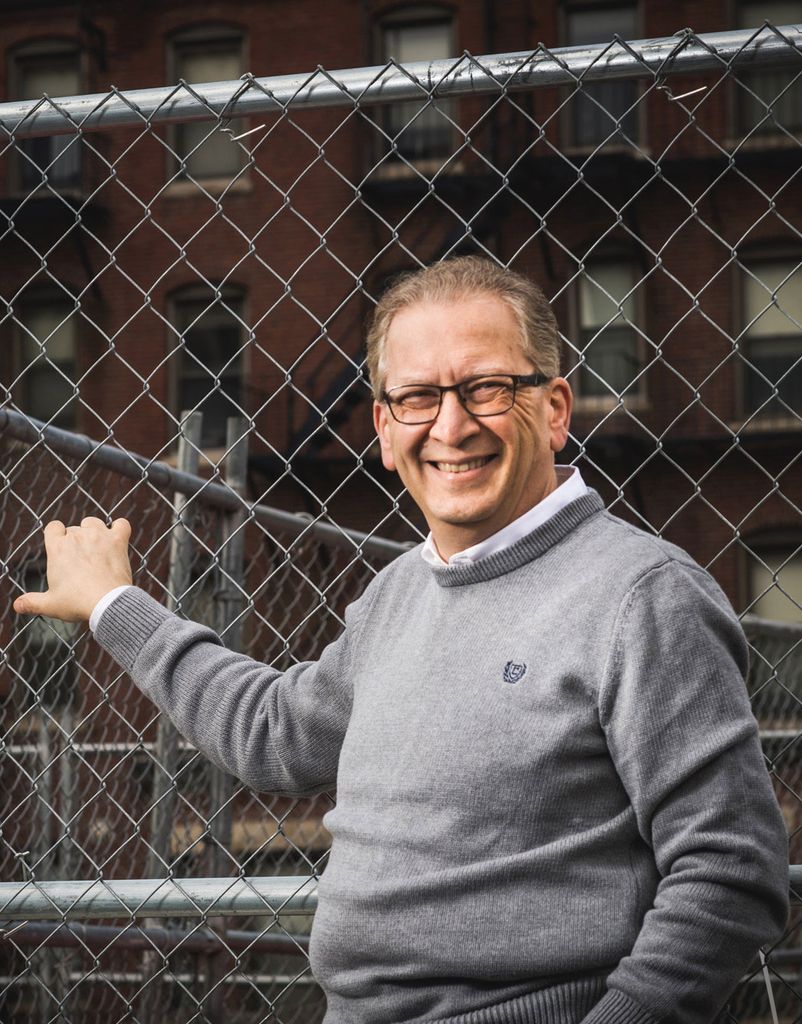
203,326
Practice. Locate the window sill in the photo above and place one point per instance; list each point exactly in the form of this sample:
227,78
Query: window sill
769,140
635,150
75,193
397,170
767,424
588,405
214,186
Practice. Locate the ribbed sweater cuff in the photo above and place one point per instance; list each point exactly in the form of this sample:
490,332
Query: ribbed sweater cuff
616,1008
128,623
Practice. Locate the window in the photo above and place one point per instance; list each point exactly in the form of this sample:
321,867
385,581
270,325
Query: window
780,89
207,55
607,337
51,67
772,340
47,345
209,371
599,110
41,653
421,129
775,581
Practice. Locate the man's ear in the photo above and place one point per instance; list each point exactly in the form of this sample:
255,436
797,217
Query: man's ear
561,402
381,421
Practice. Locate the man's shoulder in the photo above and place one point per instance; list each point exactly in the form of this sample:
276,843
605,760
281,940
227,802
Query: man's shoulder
623,555
638,546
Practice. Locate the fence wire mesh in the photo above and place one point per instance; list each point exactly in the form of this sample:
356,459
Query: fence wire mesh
166,255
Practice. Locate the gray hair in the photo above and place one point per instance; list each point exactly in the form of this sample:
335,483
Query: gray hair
453,279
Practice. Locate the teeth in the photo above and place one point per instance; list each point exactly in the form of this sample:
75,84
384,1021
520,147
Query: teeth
461,467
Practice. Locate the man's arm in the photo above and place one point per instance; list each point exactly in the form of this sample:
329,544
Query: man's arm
680,730
276,731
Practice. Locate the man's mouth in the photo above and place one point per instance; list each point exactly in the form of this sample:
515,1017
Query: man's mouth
463,467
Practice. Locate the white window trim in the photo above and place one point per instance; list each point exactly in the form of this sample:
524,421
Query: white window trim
196,293
237,180
57,47
635,398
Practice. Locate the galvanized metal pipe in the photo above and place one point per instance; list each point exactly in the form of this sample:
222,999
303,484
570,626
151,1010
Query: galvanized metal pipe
158,897
185,897
179,580
641,58
206,492
96,938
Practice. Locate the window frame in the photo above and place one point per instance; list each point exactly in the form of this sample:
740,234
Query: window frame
748,260
637,396
62,48
215,33
772,138
199,293
761,542
38,299
412,16
52,641
567,135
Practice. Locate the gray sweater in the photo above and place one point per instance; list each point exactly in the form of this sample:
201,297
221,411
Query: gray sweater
552,805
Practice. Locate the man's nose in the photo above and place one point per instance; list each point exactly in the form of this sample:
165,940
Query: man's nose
454,423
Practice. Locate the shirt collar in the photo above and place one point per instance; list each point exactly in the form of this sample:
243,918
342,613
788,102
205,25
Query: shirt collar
570,486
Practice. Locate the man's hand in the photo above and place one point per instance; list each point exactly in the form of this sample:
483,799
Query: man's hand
83,563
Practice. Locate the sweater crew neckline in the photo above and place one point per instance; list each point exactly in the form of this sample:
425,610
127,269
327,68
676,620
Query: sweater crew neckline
523,551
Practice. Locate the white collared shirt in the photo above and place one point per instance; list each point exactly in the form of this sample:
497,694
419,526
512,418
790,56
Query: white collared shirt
570,486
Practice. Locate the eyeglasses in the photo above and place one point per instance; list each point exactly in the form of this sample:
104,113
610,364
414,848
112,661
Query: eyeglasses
490,395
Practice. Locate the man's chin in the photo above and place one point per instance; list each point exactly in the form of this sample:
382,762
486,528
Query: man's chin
463,515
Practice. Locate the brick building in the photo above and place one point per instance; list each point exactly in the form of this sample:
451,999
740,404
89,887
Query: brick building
264,256
150,269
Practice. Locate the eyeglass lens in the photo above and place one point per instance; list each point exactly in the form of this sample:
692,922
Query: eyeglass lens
482,396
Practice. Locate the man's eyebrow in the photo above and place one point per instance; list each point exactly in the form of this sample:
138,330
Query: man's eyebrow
481,372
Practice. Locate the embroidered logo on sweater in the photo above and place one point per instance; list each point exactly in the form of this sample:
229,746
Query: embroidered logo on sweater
514,672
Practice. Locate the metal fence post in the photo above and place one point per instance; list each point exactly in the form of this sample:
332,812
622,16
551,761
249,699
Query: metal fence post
228,606
178,583
166,752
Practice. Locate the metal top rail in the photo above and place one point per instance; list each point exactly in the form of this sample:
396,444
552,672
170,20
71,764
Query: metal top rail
206,492
158,897
178,897
682,53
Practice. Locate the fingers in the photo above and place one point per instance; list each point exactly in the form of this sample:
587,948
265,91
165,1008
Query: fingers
122,529
55,528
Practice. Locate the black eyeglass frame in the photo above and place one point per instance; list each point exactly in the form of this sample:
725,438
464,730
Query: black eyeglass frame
519,380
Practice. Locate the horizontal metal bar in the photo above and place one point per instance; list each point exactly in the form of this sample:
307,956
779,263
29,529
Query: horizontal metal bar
681,54
184,897
158,897
141,978
86,749
97,938
207,492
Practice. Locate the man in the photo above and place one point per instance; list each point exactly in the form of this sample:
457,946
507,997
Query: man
551,800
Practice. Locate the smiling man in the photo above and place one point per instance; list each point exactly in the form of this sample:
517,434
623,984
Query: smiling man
551,800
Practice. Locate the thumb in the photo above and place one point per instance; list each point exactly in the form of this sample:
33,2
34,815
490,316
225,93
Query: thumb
33,604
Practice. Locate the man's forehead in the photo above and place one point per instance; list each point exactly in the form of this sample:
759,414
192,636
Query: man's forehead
469,337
